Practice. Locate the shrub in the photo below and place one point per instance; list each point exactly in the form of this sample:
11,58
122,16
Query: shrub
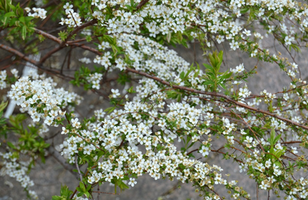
166,123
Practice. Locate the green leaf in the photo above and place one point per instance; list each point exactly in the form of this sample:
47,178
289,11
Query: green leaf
109,110
88,38
2,106
276,139
57,198
122,185
220,55
65,192
124,78
208,66
7,16
11,145
171,94
182,75
62,35
109,39
226,75
82,187
23,32
198,70
272,137
279,153
245,10
22,19
131,90
208,82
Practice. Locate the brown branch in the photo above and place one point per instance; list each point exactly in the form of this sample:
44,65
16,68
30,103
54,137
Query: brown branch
152,77
18,53
89,23
192,151
85,47
69,43
34,62
217,151
64,43
49,36
40,66
49,54
142,3
292,142
216,95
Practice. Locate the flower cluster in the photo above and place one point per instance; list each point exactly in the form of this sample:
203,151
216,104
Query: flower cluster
3,76
103,60
85,60
18,171
38,96
94,79
37,12
73,19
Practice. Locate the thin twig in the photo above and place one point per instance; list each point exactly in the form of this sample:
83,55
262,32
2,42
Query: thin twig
142,3
216,95
77,166
62,161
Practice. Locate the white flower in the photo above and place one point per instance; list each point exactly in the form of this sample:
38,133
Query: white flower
115,93
294,150
132,182
204,151
268,163
238,69
234,45
247,32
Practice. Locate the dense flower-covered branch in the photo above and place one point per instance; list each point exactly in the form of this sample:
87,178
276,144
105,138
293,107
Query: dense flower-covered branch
170,113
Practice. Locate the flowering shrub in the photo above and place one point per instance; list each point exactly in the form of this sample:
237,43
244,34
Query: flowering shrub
167,122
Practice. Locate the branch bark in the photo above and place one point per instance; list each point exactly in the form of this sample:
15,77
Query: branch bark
64,43
69,43
142,3
62,161
165,83
217,95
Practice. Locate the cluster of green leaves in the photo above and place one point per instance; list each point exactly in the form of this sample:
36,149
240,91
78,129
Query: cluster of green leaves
3,127
12,16
28,138
65,194
274,155
80,76
213,77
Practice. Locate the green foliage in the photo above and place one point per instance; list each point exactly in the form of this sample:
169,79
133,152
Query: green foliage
28,137
12,16
275,155
124,78
83,190
63,35
3,127
213,77
82,74
65,194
